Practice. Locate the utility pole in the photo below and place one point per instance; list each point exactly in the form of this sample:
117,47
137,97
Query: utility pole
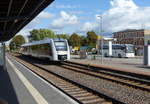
101,29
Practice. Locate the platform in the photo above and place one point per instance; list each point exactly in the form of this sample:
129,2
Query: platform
18,85
134,65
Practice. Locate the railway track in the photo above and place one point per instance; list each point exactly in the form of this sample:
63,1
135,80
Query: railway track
76,91
106,85
128,79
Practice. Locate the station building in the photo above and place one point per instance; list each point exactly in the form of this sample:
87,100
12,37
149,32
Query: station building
139,38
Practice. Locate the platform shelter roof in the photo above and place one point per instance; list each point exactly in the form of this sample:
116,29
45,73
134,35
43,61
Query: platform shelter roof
15,14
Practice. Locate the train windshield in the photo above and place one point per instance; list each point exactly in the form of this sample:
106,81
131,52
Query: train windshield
61,45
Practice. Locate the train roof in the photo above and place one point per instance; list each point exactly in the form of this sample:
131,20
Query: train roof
47,40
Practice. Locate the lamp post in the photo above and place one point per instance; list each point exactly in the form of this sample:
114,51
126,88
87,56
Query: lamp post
101,22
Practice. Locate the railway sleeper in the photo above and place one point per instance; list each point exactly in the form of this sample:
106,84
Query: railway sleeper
69,90
79,92
95,101
87,97
82,94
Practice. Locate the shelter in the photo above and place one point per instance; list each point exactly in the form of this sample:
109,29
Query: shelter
15,14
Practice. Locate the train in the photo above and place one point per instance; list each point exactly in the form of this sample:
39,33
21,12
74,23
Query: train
54,49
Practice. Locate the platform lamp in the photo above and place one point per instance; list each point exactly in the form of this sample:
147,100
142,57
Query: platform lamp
101,22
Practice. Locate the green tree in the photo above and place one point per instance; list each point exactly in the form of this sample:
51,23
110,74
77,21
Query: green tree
64,36
84,40
41,34
12,45
16,42
74,40
92,38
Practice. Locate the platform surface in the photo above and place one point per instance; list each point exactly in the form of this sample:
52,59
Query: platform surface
124,64
15,90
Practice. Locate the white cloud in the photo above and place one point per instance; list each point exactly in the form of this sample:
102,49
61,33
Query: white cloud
125,14
123,4
64,20
45,15
88,26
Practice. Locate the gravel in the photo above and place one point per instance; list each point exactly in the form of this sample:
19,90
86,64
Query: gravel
123,93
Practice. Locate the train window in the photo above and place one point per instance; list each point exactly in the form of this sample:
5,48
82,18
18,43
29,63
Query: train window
61,45
34,47
45,49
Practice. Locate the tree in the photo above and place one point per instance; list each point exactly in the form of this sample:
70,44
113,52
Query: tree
84,40
92,38
64,36
41,34
16,42
12,45
74,40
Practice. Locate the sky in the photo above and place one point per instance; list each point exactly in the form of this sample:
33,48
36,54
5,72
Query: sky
80,16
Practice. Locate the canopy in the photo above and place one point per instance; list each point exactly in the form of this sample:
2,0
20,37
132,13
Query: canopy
15,14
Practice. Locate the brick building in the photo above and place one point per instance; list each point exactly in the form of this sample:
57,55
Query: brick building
133,36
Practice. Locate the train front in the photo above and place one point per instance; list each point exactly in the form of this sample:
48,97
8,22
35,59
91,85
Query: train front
62,49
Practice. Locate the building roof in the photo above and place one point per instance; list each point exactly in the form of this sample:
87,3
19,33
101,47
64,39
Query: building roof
15,14
129,30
